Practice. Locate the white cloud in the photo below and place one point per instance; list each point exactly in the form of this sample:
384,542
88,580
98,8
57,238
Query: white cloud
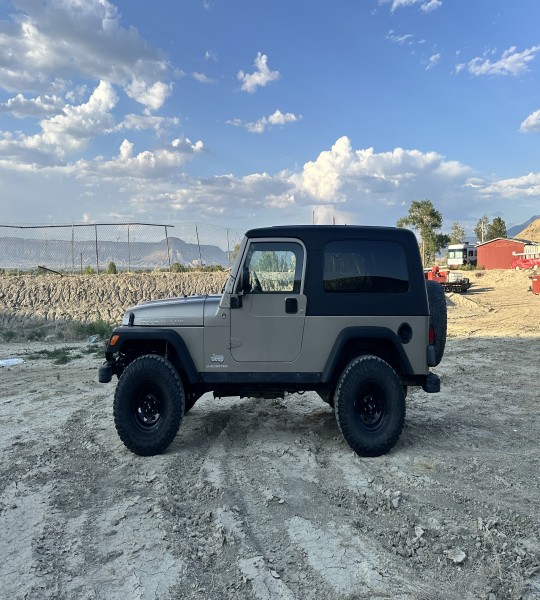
202,78
142,122
42,106
126,151
432,61
404,39
67,132
511,62
259,126
339,171
261,77
45,44
531,123
355,186
431,5
159,163
72,130
152,96
514,188
425,5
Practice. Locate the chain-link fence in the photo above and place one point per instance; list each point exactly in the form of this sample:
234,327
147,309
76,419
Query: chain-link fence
98,247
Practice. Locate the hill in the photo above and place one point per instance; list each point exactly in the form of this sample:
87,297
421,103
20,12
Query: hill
26,253
531,232
516,230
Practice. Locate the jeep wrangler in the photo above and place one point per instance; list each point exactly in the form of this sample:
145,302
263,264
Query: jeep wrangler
344,311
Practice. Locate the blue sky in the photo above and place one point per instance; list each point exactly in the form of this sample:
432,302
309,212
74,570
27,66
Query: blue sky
258,112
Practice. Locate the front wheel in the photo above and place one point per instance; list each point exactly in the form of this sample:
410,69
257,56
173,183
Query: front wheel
148,405
370,406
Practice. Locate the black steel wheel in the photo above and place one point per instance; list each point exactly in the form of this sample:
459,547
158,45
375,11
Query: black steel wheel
370,406
148,405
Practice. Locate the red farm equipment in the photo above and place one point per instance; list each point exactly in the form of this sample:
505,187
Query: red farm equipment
451,281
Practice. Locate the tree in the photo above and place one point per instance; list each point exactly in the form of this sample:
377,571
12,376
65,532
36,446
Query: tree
486,231
111,269
496,229
424,218
480,231
457,234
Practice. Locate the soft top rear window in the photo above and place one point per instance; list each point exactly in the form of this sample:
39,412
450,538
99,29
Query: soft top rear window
358,266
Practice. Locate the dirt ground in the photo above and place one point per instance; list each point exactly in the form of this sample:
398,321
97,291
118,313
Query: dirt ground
263,499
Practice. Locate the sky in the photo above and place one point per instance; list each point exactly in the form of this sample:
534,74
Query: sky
246,113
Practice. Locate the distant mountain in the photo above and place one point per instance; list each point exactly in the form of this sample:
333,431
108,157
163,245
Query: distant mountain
517,229
24,253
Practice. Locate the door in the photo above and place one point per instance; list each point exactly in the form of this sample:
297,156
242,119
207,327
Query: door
269,324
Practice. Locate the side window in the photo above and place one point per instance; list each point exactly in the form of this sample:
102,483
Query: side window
365,266
275,267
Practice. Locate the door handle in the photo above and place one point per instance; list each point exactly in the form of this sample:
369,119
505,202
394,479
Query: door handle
291,306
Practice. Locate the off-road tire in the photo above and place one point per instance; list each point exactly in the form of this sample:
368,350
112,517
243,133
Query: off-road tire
148,405
437,317
370,406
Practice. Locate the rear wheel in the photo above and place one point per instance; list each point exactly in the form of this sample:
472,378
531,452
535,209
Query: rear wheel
370,406
148,405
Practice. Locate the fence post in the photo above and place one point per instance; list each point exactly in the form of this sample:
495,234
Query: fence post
199,245
72,250
129,252
97,253
168,249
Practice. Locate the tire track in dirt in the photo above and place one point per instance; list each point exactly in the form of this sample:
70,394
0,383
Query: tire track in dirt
265,503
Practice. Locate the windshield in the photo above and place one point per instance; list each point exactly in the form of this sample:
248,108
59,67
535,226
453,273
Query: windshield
229,286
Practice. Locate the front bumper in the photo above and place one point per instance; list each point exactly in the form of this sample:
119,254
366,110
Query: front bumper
105,372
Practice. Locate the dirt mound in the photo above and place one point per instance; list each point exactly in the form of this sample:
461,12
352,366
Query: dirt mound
47,299
531,232
498,304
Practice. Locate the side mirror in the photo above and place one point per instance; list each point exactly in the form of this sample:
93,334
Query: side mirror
236,302
245,285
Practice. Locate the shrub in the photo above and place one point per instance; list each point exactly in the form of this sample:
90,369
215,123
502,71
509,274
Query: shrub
59,356
36,335
111,269
99,328
178,268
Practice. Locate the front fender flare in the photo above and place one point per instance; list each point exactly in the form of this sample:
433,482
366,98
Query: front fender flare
129,334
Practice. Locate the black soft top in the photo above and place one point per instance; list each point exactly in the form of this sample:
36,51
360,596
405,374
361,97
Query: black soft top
316,236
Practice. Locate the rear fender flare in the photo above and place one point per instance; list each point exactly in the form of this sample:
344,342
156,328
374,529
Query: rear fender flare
382,334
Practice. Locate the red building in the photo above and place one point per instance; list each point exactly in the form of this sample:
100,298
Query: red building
497,253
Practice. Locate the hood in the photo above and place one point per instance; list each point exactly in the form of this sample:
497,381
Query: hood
187,311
